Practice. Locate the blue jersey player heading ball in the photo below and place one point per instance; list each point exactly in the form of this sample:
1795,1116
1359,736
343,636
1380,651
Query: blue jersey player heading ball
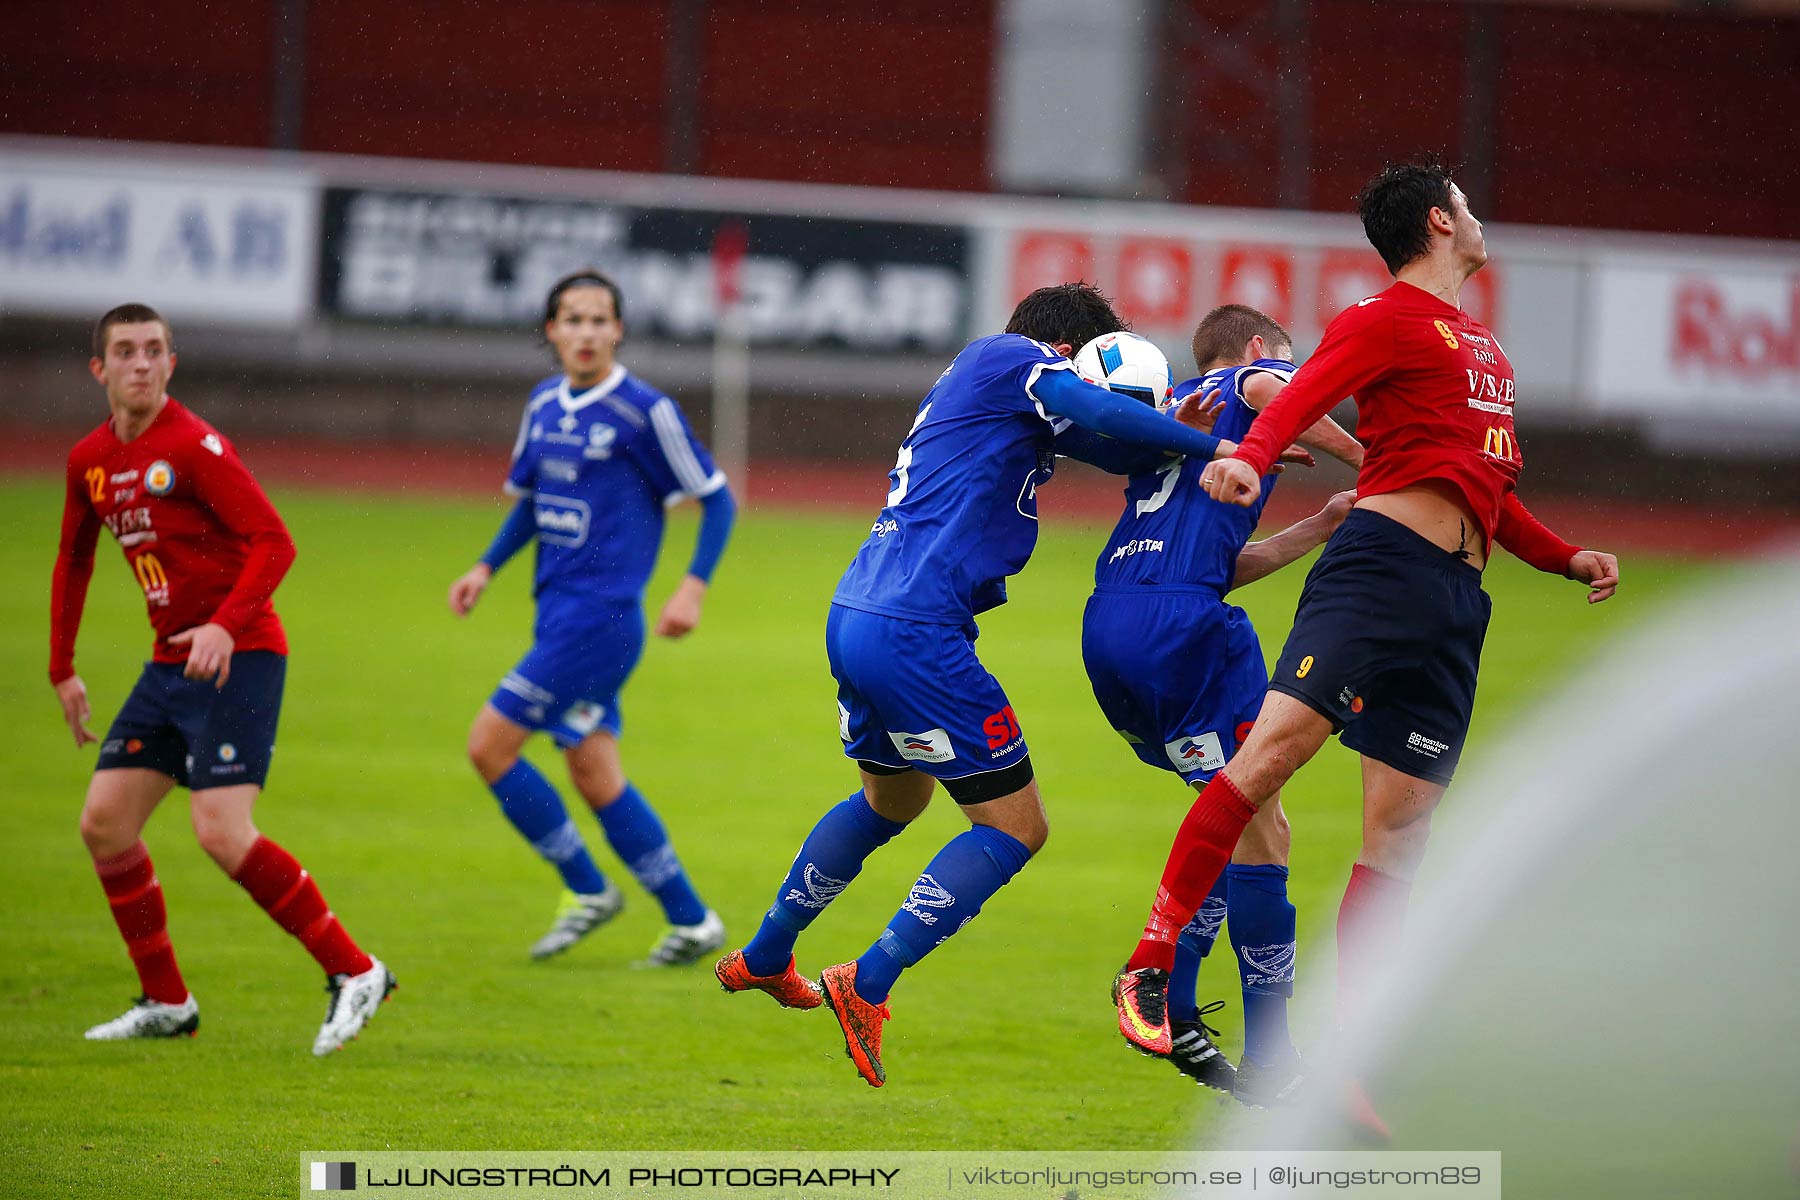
1178,672
599,456
915,706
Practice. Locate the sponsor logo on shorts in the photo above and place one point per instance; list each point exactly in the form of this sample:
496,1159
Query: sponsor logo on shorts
1429,747
931,746
1136,546
1350,700
562,521
927,893
1003,732
111,746
159,480
820,890
843,723
584,716
1267,964
133,745
1199,753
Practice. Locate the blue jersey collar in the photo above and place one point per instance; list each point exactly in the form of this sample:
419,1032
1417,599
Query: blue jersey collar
600,391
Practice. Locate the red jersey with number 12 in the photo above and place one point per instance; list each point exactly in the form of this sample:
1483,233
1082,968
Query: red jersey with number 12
1434,401
201,538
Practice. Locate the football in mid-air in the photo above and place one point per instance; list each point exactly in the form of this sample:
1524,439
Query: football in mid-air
1129,365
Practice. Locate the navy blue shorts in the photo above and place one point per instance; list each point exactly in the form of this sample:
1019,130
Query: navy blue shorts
1387,644
1178,672
199,735
913,695
568,682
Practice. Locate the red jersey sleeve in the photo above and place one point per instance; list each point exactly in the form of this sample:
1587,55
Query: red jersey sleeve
225,485
1357,350
74,568
1527,539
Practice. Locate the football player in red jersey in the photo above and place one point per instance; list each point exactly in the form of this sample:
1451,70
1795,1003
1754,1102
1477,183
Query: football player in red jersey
208,549
1387,637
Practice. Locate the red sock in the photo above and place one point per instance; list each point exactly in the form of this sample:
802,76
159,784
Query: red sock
137,906
1202,848
1368,931
275,880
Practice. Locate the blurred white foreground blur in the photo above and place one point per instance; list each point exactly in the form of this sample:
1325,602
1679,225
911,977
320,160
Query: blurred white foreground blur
1601,974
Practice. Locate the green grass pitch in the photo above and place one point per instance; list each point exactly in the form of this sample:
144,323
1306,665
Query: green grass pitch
1003,1039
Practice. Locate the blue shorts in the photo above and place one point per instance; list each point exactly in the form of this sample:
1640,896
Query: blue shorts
913,695
568,682
1178,672
1387,644
199,735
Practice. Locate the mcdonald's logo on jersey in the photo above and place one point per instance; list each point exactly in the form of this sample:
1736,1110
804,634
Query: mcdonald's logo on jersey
152,578
1499,443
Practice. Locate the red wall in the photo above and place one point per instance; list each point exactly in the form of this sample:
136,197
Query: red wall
110,69
1669,121
1681,122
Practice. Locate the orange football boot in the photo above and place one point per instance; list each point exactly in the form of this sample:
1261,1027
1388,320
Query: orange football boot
790,988
861,1021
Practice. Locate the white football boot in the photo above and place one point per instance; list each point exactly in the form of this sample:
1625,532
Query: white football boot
578,916
685,944
354,999
148,1018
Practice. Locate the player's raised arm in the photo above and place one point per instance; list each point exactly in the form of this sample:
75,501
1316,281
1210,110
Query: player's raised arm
1528,540
68,596
1113,457
1068,395
1357,350
223,484
1324,435
1258,560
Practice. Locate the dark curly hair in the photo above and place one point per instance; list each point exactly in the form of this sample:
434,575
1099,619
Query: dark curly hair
1394,207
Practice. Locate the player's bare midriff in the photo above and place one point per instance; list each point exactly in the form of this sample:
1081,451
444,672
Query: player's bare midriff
1435,513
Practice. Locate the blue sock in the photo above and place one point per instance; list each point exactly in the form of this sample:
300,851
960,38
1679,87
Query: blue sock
637,836
536,811
829,859
1195,943
1262,933
968,870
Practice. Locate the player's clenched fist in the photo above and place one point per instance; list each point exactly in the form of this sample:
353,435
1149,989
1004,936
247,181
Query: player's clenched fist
1232,481
1599,570
467,589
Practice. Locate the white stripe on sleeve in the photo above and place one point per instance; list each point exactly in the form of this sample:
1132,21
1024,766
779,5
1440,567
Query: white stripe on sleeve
672,439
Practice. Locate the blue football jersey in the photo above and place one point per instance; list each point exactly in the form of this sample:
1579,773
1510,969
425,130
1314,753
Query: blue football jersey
961,510
1172,534
600,466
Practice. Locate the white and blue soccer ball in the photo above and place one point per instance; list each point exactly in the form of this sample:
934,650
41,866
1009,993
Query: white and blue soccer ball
1129,365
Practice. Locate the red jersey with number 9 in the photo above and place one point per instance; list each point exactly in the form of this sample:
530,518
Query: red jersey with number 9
201,538
1434,400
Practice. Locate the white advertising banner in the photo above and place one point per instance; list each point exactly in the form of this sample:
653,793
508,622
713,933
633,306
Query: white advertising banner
1701,338
229,245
